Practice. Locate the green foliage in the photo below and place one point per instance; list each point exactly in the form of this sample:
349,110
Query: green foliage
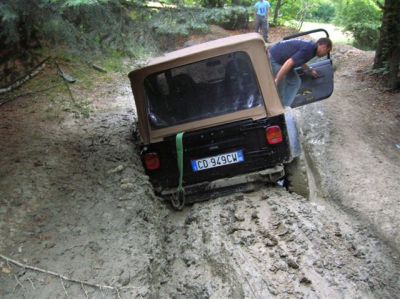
293,12
312,10
16,24
8,13
231,18
173,23
217,3
71,3
362,18
178,22
382,71
58,32
91,27
287,12
79,25
113,61
324,12
244,3
212,3
366,35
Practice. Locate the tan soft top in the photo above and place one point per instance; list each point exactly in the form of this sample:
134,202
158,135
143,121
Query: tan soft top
213,46
251,43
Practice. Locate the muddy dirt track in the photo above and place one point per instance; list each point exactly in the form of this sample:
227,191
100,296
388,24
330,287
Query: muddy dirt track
77,208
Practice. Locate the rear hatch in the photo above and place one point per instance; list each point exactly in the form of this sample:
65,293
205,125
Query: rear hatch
221,151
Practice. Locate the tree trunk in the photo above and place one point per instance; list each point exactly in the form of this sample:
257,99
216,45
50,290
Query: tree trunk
387,53
394,62
276,11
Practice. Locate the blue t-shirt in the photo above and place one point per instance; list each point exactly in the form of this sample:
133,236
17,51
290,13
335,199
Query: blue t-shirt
262,8
299,50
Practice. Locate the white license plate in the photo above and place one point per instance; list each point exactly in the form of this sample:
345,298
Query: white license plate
217,161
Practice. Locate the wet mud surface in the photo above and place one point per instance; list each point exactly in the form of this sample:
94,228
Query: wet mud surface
75,202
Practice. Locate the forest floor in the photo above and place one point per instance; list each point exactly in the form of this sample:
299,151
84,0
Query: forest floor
79,215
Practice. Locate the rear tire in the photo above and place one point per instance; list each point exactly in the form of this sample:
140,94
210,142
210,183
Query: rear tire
297,176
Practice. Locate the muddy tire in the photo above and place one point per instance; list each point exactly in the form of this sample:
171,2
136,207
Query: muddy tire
297,177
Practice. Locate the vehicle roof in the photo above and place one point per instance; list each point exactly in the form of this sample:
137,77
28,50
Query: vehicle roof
213,45
251,43
186,55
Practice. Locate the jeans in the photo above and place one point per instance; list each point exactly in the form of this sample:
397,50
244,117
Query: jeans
288,86
262,22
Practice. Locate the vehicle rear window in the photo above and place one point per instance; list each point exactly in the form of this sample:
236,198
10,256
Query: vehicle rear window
204,89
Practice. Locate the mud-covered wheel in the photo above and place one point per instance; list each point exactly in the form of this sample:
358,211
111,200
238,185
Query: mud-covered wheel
297,177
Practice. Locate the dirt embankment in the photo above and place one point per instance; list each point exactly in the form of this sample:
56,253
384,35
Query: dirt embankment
75,201
354,141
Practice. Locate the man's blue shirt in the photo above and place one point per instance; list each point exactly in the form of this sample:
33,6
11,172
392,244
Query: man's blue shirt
262,8
300,51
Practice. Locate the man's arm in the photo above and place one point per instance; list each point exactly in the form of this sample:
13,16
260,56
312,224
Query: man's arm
286,67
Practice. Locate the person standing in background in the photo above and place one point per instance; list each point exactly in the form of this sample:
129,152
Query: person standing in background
261,17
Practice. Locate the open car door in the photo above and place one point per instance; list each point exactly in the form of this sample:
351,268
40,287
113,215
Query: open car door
314,89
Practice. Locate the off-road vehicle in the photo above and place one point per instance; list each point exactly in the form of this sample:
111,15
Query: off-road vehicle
210,118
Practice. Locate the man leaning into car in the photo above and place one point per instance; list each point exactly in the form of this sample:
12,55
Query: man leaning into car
286,55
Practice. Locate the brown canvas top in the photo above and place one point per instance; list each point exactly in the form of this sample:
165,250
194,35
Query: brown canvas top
251,43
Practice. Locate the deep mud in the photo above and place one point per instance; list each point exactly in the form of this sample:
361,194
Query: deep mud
75,201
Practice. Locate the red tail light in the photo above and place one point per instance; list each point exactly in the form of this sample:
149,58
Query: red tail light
274,135
151,161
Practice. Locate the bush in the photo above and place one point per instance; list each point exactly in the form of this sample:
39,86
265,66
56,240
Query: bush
212,3
362,18
325,12
178,22
185,21
366,36
230,18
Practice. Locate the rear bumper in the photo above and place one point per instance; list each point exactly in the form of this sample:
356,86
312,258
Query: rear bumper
225,186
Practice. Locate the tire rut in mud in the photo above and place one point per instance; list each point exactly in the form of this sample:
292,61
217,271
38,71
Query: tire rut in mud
271,243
